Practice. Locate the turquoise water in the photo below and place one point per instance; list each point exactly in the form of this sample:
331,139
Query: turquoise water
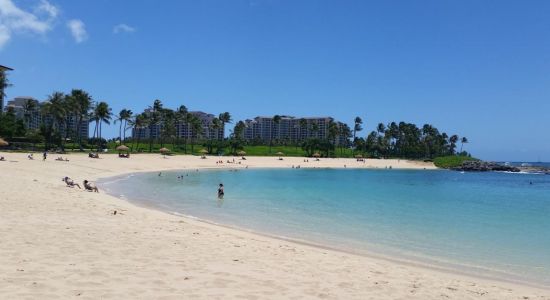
495,224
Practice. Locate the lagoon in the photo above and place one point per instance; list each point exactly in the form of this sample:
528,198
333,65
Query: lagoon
492,224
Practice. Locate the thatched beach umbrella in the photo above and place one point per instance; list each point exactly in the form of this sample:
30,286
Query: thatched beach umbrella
280,153
3,142
122,148
164,151
203,151
241,153
358,156
316,154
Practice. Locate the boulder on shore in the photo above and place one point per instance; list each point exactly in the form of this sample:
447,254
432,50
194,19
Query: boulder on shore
484,166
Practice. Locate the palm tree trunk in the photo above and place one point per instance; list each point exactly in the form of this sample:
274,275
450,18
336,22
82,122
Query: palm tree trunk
120,132
79,124
124,132
99,146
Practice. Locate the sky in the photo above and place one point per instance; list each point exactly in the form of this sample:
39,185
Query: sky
475,68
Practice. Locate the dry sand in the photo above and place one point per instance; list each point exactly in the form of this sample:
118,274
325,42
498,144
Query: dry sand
58,243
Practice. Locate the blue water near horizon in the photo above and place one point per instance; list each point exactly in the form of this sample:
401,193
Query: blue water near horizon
494,224
529,164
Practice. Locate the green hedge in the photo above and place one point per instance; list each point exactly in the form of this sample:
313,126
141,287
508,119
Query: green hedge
447,162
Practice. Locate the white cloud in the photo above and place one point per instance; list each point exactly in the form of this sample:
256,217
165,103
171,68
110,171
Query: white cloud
78,30
4,35
46,7
123,28
14,20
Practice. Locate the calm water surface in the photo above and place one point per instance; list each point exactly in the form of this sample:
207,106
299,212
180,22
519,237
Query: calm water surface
496,224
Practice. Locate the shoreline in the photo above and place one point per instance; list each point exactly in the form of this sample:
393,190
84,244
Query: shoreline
451,268
68,242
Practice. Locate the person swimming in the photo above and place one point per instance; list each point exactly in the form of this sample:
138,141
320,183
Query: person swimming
220,191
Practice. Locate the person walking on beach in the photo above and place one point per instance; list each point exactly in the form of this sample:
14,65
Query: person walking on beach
45,155
220,191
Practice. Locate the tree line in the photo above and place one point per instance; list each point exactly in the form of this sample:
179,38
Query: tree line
407,140
401,139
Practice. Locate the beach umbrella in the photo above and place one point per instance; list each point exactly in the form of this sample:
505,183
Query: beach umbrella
122,148
241,153
280,153
203,151
164,151
3,142
358,156
316,154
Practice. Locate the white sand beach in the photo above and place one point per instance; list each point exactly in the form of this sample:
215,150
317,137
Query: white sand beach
58,243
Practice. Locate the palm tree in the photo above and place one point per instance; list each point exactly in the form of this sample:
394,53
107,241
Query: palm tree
214,126
127,117
101,114
188,118
225,118
332,133
276,121
122,115
4,83
196,132
71,108
168,128
344,131
357,126
314,129
453,140
236,139
179,118
303,127
57,110
463,140
153,119
380,128
46,124
83,104
28,108
138,123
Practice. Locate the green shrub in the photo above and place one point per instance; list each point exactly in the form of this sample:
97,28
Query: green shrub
447,162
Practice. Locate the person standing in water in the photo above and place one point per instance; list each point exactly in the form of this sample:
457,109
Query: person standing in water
220,191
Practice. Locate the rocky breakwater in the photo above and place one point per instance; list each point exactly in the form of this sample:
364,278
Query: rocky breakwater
484,166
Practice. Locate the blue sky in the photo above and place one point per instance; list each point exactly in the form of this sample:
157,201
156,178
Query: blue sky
475,68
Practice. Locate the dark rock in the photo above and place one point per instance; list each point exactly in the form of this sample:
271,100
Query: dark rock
484,166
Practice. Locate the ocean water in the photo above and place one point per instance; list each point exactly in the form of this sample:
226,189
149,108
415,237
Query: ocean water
491,224
529,164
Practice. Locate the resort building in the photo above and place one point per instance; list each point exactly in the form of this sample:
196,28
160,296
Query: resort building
184,130
290,129
33,118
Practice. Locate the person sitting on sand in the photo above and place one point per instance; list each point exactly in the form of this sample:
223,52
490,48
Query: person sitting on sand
90,187
2,158
70,182
30,156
